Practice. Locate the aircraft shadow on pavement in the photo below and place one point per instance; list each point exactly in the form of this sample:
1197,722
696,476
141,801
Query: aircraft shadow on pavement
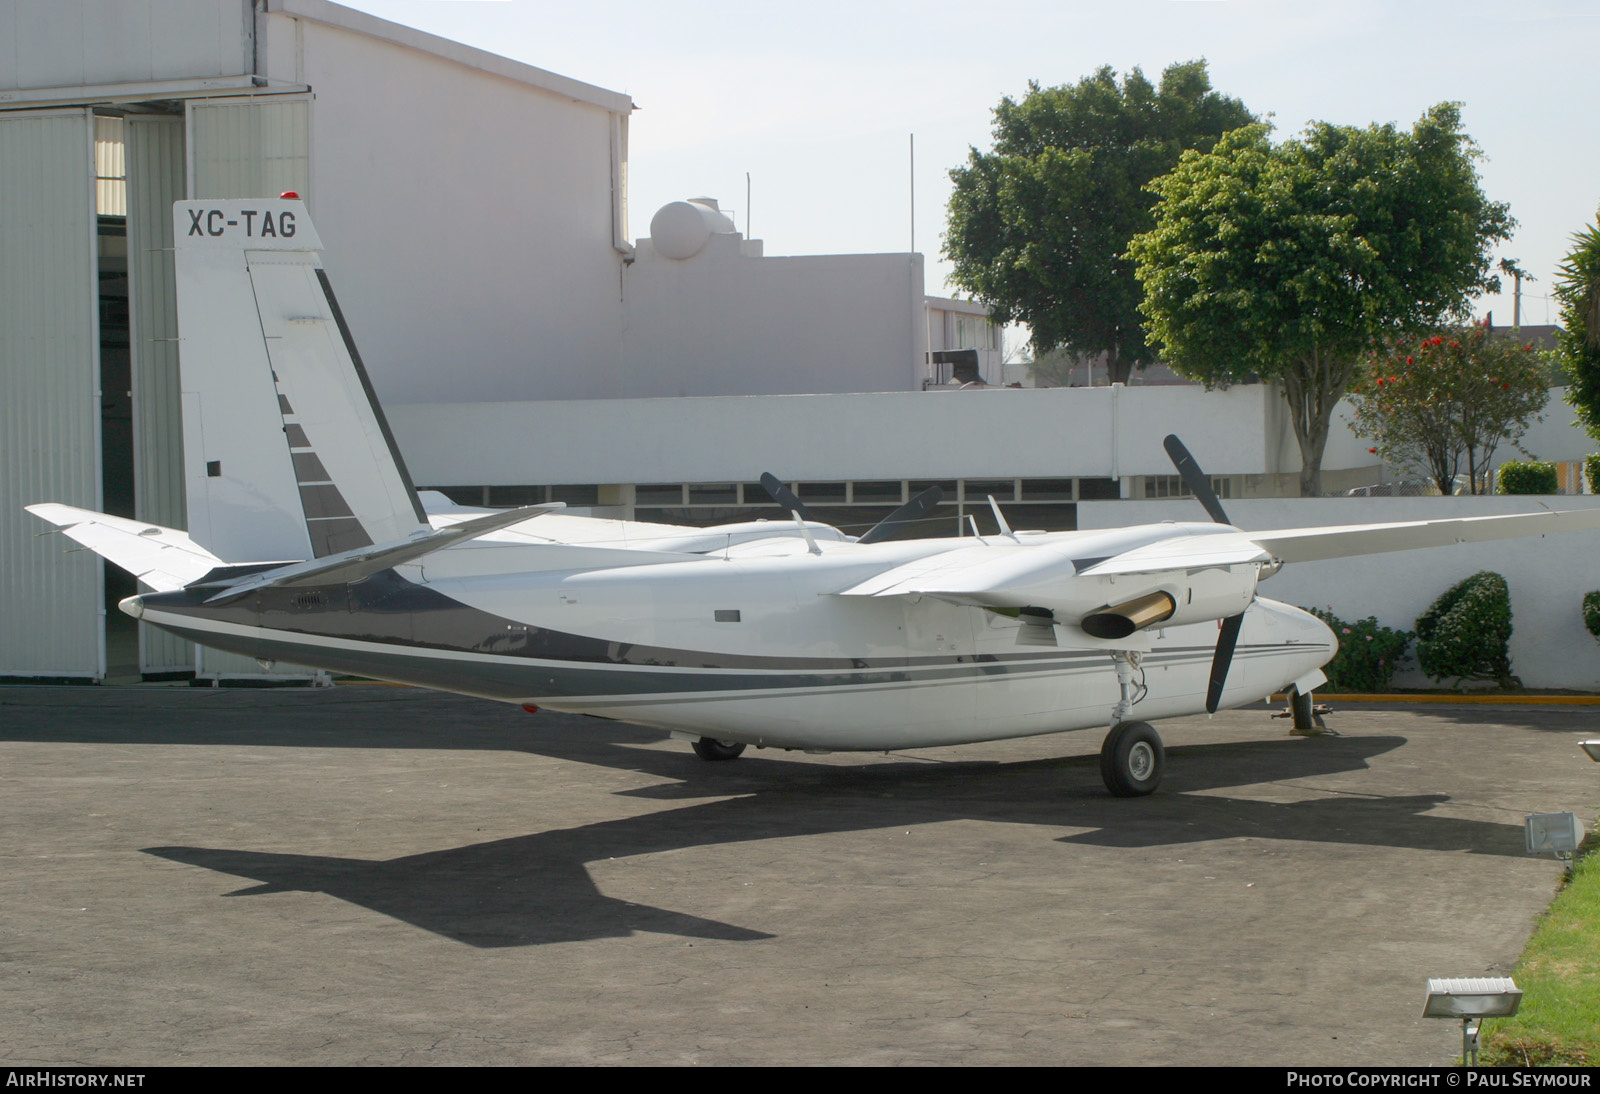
535,889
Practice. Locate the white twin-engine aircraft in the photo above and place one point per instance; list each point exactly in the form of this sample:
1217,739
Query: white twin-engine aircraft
784,634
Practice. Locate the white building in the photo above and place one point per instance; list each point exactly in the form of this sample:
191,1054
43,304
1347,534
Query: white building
965,325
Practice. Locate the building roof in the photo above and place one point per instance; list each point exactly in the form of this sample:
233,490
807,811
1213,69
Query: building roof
335,15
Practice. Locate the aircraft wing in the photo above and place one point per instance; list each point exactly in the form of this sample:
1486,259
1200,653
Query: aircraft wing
163,558
1311,544
1023,575
1184,553
967,574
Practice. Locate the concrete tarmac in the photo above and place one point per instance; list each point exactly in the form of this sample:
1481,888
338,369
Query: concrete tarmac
373,875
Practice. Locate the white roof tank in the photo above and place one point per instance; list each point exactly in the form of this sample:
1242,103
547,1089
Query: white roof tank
681,229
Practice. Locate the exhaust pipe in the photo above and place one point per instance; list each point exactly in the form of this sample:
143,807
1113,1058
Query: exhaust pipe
1121,620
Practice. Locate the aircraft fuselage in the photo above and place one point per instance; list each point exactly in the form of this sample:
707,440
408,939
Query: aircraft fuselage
752,644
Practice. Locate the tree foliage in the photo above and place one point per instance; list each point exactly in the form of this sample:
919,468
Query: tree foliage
1443,404
1578,341
1369,653
1039,226
1467,632
1527,477
1291,261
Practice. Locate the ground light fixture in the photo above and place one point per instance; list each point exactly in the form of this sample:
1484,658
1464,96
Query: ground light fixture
1557,834
1472,999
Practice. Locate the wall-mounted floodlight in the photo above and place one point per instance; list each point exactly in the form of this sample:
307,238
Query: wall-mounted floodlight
1592,748
1472,999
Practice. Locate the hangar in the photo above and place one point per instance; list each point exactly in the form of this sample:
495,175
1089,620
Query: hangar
480,244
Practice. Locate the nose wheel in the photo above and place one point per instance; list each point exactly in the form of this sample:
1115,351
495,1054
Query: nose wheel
1132,759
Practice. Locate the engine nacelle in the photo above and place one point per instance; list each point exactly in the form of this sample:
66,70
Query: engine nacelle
1177,599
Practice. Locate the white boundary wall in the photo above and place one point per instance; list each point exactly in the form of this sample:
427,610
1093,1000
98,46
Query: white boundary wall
1547,576
995,433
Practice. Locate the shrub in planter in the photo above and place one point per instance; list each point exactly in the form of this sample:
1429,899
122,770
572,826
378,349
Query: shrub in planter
1526,477
1591,612
1369,653
1467,632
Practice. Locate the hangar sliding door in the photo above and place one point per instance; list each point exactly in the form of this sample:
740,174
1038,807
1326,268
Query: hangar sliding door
155,180
51,603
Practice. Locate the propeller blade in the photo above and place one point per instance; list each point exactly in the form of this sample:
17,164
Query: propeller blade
1195,479
784,496
912,511
1227,638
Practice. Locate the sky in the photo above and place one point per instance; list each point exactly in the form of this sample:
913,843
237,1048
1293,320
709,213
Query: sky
818,102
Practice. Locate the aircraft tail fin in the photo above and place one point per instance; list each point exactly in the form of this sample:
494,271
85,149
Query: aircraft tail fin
287,452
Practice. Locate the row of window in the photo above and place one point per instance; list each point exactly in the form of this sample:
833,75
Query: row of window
891,492
881,492
1171,486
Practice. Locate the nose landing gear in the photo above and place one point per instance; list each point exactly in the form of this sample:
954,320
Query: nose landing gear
1132,758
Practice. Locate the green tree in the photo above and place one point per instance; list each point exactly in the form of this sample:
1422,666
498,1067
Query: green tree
1578,341
1443,404
1039,226
1291,261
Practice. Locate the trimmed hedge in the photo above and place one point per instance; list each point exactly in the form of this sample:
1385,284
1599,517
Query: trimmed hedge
1591,470
1467,632
1526,477
1369,653
1591,612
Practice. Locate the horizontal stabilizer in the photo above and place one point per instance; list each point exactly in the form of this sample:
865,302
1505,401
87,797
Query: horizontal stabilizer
366,561
165,559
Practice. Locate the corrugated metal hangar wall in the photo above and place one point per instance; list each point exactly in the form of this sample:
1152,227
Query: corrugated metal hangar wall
89,351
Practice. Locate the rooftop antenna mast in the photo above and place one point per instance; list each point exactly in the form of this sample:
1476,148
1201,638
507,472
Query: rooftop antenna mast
913,169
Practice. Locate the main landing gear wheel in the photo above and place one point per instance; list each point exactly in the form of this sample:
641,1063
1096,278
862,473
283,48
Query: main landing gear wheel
1132,759
709,748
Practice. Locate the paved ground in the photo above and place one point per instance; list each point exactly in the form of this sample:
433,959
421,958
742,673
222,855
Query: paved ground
372,875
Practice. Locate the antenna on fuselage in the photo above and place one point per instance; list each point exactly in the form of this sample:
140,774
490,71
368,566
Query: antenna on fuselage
811,544
999,518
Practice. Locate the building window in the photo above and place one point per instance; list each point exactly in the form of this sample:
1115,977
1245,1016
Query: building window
110,168
1171,486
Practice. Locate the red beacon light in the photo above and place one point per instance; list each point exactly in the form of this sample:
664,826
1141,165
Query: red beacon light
289,195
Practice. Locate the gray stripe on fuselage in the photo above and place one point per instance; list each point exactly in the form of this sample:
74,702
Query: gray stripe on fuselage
386,608
392,628
504,677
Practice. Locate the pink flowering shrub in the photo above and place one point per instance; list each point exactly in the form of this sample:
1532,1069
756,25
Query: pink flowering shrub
1369,653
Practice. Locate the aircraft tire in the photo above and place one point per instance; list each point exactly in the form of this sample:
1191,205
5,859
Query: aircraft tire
1300,705
709,748
1132,760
